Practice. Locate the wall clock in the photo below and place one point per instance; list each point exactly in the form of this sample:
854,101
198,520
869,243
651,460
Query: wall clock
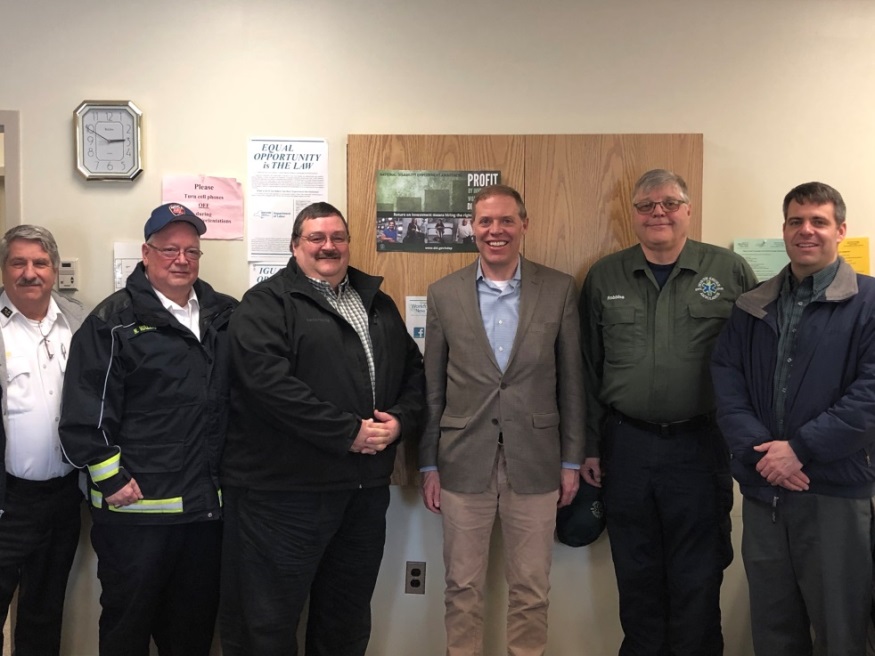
108,140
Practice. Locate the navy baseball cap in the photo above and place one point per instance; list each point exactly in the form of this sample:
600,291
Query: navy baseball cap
167,214
583,520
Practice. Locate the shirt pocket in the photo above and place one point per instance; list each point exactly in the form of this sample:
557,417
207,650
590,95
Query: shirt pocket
622,334
700,325
18,396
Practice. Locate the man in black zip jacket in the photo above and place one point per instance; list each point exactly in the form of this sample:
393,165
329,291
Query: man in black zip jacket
325,380
145,411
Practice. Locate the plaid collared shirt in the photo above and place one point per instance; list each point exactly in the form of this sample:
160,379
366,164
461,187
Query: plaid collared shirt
794,298
349,305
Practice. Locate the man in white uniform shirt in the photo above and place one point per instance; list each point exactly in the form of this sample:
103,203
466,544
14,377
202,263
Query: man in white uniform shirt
39,495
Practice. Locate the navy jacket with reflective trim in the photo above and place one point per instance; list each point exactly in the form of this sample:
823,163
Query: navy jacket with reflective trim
139,385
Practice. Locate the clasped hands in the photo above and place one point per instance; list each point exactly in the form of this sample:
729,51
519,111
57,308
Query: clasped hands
780,466
376,434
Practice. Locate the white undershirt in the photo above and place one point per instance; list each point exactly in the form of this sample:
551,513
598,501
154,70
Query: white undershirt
33,391
188,315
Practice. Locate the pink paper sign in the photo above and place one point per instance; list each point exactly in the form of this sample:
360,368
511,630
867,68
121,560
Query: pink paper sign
218,201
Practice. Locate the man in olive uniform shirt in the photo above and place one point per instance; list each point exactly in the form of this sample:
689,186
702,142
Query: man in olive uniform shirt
650,316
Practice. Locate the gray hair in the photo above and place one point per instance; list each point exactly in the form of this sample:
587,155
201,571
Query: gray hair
32,233
656,178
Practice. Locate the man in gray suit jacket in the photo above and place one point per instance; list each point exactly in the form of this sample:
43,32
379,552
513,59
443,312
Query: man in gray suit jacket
504,387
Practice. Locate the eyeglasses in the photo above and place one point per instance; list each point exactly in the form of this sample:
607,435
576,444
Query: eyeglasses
172,252
668,204
319,239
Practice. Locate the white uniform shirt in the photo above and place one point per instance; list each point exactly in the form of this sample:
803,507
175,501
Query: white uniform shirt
36,358
189,315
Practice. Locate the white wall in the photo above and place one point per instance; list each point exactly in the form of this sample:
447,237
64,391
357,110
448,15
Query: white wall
782,90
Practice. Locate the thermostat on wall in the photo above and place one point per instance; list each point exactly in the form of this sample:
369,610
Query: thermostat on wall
68,275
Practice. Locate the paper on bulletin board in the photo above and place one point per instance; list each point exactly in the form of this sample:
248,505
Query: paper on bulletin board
260,271
765,256
218,201
414,314
285,175
125,256
855,250
768,256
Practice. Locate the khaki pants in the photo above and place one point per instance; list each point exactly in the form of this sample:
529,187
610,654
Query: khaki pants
527,524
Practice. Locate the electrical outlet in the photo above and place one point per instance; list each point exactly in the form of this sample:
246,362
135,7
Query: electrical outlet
414,578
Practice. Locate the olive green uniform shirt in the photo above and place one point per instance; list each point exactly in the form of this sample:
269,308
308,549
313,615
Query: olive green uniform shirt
647,351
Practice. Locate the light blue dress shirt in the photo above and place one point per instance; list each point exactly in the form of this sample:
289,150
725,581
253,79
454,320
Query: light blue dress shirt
500,311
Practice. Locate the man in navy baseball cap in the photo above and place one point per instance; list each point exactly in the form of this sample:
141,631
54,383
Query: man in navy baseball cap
142,413
167,214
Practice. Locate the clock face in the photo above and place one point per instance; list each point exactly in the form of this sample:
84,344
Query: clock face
108,140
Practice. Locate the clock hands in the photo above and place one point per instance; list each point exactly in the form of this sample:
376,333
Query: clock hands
93,131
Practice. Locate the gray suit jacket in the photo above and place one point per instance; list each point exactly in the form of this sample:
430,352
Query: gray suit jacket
536,404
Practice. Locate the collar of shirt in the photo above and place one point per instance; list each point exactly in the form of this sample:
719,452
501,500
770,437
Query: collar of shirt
171,305
8,312
819,281
688,258
513,282
324,287
188,315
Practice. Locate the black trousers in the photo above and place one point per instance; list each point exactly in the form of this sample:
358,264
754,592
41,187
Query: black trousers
281,547
667,502
39,533
159,582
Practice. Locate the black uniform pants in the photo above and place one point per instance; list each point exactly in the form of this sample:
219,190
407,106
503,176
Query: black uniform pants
281,547
160,582
667,502
39,533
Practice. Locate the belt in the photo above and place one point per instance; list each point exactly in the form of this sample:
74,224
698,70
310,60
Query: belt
669,429
51,485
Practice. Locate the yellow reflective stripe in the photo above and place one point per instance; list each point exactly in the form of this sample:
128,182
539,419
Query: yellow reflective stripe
143,506
106,469
173,505
221,503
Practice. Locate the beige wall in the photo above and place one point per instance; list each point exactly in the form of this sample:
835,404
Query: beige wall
2,182
782,91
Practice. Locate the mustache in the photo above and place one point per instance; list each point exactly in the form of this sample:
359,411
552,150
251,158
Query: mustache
34,282
330,255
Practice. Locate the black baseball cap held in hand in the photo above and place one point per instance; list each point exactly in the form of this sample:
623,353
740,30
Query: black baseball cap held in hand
583,520
169,213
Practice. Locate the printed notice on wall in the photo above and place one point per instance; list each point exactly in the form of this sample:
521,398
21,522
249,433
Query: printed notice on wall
428,211
765,256
285,175
768,256
414,315
217,201
261,271
855,250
